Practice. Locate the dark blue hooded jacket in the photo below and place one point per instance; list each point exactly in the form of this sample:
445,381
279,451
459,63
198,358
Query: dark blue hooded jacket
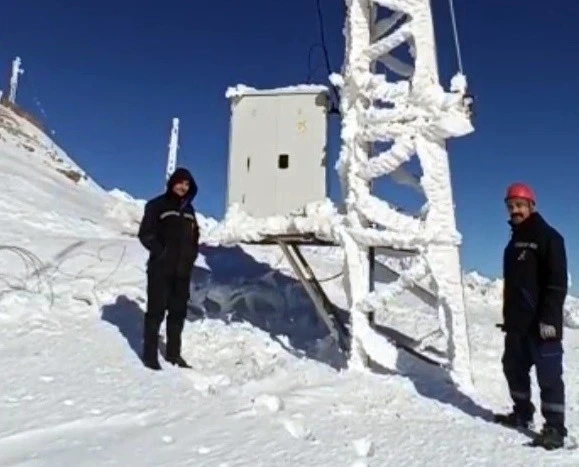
169,229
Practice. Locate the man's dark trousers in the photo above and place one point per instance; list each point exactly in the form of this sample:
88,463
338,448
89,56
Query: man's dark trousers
166,292
520,354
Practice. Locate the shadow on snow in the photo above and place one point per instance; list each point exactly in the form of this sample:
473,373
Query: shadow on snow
237,288
432,382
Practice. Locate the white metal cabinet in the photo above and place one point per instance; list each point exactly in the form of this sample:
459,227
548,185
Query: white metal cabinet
277,151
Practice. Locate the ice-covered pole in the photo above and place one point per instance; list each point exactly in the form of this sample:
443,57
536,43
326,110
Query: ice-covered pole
16,72
443,257
353,155
414,116
173,146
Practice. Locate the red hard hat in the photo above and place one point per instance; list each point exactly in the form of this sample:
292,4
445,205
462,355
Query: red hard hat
520,190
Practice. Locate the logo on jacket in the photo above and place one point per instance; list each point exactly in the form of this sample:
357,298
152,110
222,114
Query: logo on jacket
522,255
531,245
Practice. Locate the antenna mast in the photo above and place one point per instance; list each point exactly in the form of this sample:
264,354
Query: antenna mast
16,72
173,146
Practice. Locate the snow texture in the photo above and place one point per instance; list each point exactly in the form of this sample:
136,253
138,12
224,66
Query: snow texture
263,391
321,219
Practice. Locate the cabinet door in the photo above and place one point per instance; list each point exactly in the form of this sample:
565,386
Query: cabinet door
300,162
260,185
239,127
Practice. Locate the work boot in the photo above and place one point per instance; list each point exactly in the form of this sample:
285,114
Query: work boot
520,417
152,362
515,420
173,350
150,356
550,438
179,361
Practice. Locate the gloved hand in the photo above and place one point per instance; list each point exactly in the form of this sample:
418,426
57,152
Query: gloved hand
547,331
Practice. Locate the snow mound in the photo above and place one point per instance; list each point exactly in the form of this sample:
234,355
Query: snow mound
571,311
318,217
483,288
124,196
490,291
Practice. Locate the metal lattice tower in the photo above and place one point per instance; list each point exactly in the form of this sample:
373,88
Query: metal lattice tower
415,115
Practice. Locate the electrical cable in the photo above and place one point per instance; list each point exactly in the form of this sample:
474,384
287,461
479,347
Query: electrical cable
311,70
336,106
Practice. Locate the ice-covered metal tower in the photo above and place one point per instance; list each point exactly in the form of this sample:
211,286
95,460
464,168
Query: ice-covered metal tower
415,116
173,146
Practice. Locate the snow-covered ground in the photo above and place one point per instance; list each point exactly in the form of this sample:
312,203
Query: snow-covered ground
264,390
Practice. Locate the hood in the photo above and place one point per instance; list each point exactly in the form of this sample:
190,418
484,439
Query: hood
179,175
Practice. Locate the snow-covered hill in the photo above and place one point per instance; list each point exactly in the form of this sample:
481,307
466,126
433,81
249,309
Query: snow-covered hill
265,390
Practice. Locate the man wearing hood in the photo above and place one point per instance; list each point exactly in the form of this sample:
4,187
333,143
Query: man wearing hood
170,232
535,287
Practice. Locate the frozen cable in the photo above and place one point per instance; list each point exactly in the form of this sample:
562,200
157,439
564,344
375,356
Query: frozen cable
456,38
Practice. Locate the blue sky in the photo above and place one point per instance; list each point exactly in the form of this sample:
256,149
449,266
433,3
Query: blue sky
111,75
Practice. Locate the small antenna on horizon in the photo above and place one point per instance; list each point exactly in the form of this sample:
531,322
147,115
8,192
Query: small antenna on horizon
173,146
16,72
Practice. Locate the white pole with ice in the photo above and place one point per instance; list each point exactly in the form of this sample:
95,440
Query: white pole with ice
173,147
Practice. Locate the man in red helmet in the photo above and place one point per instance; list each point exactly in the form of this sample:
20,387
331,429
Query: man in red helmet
535,287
